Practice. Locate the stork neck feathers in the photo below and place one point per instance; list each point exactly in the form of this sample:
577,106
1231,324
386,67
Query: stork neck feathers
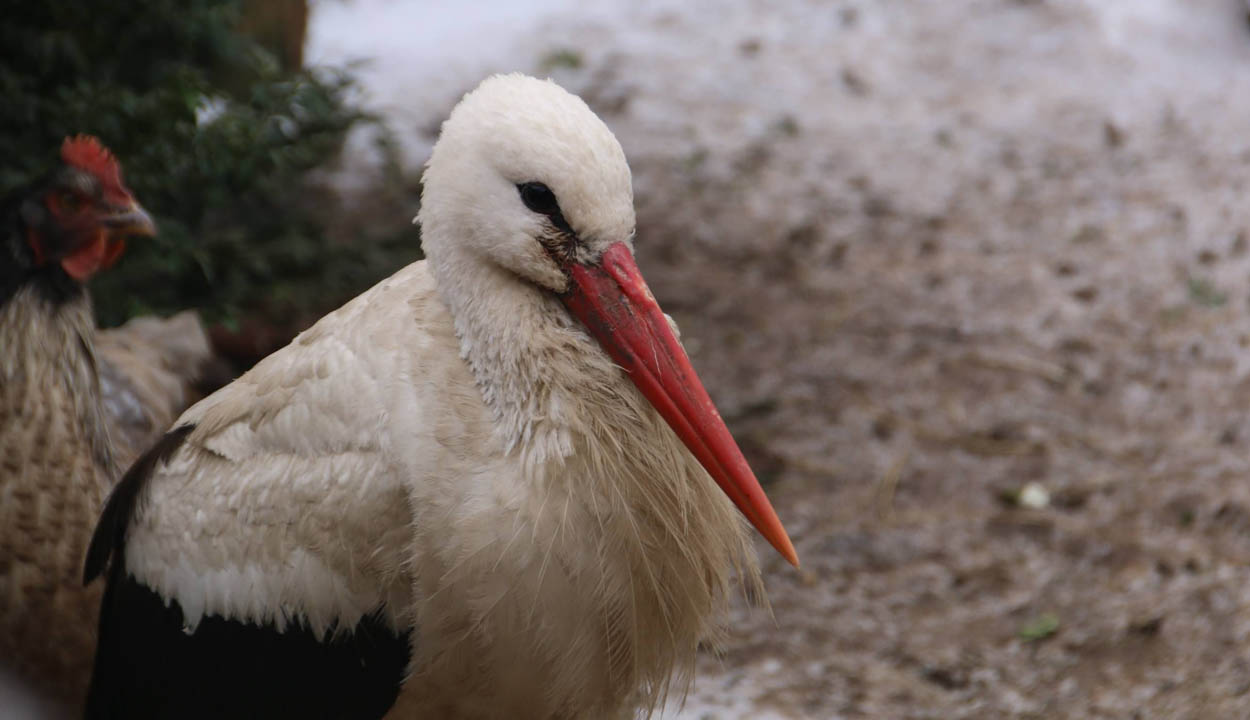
519,343
666,542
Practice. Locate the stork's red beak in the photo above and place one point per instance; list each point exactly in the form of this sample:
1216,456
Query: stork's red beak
613,302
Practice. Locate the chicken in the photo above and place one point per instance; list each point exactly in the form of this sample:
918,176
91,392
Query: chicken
56,461
490,487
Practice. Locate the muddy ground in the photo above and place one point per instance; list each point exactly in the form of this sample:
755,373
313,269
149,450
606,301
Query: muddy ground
928,254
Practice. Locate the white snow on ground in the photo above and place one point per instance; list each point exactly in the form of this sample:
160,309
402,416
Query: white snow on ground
919,96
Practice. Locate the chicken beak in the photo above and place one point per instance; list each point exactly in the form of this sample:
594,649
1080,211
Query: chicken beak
612,300
130,221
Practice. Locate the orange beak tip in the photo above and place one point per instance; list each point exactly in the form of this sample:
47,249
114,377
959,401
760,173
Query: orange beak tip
791,555
776,535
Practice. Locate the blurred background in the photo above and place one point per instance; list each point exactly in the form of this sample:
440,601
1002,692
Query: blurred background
969,280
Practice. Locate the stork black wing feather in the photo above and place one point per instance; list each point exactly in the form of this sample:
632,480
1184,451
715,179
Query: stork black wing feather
150,665
109,536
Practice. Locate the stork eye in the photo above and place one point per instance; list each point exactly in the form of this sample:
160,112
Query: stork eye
539,198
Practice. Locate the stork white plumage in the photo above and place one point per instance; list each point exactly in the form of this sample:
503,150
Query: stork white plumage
491,479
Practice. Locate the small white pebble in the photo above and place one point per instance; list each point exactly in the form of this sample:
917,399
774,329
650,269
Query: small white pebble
771,666
1034,496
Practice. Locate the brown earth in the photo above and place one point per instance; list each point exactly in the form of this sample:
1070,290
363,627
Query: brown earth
925,256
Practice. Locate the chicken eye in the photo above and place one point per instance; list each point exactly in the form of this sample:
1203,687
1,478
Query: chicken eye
539,198
69,200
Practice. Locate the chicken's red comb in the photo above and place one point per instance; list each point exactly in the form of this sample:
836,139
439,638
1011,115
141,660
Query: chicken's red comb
86,153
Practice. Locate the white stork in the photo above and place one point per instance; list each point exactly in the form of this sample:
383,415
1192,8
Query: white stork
485,488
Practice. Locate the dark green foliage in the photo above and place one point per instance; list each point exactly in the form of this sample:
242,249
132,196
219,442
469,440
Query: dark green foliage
243,230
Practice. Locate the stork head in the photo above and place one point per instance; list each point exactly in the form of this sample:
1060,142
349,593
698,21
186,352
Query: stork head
527,179
82,213
526,176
